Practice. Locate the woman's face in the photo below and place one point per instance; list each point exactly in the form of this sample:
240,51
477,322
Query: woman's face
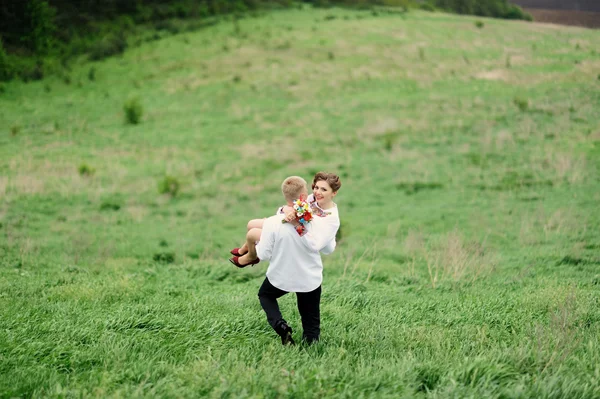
323,193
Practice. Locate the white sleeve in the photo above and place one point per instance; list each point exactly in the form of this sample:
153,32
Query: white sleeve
264,249
320,233
329,248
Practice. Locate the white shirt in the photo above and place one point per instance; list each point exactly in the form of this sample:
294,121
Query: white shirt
295,264
333,222
321,232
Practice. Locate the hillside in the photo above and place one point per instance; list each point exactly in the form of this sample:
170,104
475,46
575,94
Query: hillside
469,152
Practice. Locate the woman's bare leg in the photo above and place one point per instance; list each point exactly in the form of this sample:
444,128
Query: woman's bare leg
253,224
251,238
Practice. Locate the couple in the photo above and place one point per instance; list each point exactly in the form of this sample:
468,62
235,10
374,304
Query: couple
294,253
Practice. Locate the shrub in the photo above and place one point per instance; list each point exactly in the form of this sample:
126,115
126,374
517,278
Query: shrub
41,26
15,129
403,4
516,12
484,8
169,185
389,139
2,88
322,3
110,45
479,24
85,170
521,103
6,70
109,206
167,25
92,74
164,257
427,7
133,111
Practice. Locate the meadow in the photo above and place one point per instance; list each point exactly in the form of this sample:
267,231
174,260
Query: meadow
468,262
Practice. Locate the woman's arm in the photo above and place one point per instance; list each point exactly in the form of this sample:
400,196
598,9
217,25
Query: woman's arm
329,248
320,233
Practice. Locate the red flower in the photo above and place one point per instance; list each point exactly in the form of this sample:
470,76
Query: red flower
307,216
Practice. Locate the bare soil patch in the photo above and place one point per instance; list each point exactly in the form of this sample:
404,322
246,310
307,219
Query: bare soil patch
566,17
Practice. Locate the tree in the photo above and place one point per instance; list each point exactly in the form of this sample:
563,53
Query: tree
41,22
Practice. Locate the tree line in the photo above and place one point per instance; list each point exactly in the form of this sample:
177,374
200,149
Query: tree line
33,29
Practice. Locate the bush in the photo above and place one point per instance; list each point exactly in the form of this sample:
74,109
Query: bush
6,71
521,103
322,3
92,74
110,206
427,7
169,185
14,130
404,4
85,170
479,24
167,25
108,46
484,8
41,26
133,111
164,257
515,12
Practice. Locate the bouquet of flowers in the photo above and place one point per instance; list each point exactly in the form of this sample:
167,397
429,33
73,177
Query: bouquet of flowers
304,214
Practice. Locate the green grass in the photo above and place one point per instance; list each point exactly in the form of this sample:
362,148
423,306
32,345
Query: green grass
469,259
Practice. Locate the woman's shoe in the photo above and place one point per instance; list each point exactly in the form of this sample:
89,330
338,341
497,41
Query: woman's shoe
236,252
236,261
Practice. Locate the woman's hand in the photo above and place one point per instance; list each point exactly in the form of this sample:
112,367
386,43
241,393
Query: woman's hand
290,217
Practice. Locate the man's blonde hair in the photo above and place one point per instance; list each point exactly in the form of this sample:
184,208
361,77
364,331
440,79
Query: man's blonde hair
293,187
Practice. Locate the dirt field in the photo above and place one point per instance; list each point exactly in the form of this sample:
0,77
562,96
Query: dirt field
565,17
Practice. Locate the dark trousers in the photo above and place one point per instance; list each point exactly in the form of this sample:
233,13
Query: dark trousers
308,305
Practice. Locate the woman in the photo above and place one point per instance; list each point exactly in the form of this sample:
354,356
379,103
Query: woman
325,187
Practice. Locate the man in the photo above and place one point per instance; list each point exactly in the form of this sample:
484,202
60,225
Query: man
294,267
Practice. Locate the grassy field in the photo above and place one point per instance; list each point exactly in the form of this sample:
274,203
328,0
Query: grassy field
469,261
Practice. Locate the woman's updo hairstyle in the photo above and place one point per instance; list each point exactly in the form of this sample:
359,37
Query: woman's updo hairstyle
333,180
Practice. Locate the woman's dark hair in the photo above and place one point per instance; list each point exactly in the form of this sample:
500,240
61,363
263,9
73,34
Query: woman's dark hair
331,179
